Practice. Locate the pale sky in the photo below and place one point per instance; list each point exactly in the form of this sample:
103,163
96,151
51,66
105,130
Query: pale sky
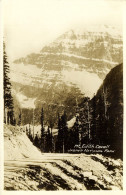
31,24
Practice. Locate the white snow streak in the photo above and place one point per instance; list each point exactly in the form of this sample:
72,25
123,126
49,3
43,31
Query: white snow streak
87,82
81,57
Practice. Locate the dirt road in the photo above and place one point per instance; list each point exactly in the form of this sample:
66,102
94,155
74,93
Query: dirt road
63,172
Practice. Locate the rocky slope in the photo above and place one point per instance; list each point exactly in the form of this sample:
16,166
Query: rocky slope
96,49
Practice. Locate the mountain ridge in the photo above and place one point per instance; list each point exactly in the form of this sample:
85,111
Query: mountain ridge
73,61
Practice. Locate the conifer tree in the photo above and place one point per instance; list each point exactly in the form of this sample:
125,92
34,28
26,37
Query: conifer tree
94,120
101,120
76,131
64,132
62,139
49,141
103,117
85,122
20,119
8,100
36,140
27,133
43,136
42,123
60,136
14,121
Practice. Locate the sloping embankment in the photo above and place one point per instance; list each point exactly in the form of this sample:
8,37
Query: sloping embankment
17,145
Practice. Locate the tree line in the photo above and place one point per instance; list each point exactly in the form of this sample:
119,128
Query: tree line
94,124
89,127
46,141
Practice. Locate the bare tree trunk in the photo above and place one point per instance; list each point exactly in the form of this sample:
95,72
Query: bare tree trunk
89,130
33,123
9,119
6,111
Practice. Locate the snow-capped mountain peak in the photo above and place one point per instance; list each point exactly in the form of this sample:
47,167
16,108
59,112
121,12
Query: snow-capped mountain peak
74,64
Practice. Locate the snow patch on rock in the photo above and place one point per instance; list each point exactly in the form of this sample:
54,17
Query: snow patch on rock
87,82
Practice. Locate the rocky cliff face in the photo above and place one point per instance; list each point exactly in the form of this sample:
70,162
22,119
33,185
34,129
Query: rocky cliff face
96,49
73,65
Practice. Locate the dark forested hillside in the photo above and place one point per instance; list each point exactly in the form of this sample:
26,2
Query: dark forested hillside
110,97
99,121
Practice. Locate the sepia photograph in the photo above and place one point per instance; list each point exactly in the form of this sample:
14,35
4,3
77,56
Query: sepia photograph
63,95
